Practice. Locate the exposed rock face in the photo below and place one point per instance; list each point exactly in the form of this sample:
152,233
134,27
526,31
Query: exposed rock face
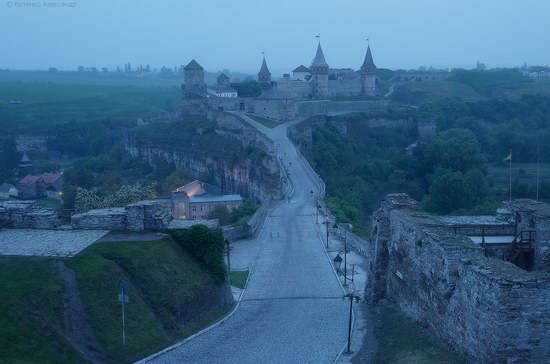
258,180
489,309
27,215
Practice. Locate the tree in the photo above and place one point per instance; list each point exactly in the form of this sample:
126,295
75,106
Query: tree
9,158
206,244
221,213
456,149
449,191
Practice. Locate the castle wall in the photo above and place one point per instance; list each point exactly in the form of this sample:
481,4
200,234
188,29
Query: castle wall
345,87
488,309
279,109
298,89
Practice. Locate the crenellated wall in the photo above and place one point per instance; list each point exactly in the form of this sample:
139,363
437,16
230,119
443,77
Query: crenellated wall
488,309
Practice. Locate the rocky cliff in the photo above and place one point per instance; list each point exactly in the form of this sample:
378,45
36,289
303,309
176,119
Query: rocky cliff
235,155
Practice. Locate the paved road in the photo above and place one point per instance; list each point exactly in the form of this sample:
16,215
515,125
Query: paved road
292,310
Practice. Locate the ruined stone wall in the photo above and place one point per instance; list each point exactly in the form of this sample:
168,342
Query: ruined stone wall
27,215
490,310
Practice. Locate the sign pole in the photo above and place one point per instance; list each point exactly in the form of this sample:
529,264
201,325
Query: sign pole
123,326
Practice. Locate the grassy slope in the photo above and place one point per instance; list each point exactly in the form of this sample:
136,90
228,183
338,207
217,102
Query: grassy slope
420,91
265,122
31,306
160,276
156,287
401,340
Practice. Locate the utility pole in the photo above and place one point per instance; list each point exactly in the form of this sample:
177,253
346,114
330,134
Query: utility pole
345,256
227,243
326,224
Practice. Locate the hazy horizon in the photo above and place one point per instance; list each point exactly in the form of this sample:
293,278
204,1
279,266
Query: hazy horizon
232,36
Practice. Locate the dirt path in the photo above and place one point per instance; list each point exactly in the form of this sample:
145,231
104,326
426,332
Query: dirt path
78,330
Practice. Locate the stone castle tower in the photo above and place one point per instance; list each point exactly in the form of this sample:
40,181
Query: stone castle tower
194,79
368,75
193,90
319,74
264,75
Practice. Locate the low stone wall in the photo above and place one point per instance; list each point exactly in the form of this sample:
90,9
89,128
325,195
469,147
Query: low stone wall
139,216
27,215
100,219
488,309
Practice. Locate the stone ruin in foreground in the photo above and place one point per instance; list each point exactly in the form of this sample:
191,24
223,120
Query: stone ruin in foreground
482,283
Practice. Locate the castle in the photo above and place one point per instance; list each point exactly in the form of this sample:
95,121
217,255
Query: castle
287,98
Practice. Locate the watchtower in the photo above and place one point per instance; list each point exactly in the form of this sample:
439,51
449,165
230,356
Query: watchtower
368,75
319,74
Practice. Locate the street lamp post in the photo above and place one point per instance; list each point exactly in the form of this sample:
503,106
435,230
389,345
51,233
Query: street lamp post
326,225
345,254
337,262
352,296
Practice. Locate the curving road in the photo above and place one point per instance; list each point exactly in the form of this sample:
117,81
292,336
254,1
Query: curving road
292,310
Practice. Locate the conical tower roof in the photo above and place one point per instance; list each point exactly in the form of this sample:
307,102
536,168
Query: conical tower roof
368,63
193,65
264,71
319,60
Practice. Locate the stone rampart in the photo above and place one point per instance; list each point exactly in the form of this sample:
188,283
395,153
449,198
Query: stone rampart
27,215
488,309
139,216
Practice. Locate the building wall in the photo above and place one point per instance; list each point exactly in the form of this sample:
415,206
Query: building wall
279,109
368,85
298,89
200,210
488,309
320,85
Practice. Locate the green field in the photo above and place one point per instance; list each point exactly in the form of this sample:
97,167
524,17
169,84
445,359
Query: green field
44,105
416,92
523,172
162,278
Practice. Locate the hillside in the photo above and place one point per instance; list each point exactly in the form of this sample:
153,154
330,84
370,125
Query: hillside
171,296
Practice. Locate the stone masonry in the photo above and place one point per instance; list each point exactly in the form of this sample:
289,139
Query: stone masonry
490,310
27,215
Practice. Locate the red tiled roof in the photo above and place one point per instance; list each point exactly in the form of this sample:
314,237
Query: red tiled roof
29,179
50,178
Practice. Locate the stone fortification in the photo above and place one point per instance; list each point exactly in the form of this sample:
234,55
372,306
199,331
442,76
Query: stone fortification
488,309
27,215
139,216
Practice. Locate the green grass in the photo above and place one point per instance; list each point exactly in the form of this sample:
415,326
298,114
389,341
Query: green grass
238,278
268,123
50,203
164,282
401,340
45,105
158,289
524,172
31,323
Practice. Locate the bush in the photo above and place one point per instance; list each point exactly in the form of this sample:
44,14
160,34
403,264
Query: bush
205,244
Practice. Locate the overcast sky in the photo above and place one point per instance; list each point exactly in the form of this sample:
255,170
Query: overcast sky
232,34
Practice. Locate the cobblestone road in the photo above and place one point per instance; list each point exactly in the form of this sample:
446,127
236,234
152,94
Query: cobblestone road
292,310
46,242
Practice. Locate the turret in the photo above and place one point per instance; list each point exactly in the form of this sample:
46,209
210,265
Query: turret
194,79
319,74
368,75
264,75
